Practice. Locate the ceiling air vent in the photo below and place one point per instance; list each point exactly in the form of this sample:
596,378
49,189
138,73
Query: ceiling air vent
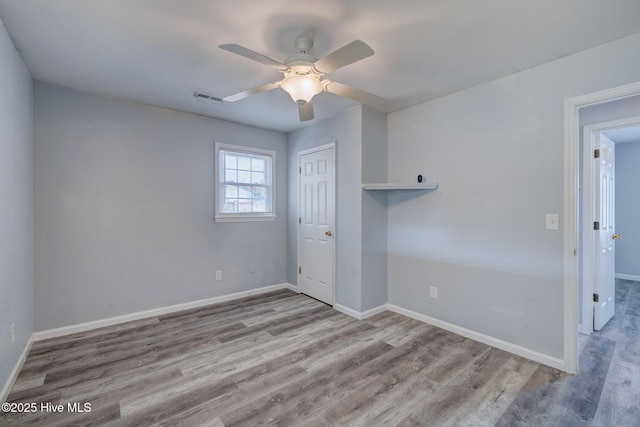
206,99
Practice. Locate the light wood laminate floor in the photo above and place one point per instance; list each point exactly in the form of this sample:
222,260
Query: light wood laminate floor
286,359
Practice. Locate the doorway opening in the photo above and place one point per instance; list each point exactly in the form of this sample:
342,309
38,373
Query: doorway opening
599,229
573,227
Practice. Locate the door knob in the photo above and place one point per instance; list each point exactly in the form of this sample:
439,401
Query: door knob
616,236
327,233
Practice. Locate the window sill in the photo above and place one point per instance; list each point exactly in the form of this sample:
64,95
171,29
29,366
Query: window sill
241,218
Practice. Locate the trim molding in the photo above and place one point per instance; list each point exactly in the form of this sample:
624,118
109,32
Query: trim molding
4,394
628,277
360,315
291,287
545,359
83,327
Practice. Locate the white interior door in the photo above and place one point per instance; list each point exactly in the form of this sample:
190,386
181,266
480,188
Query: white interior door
316,239
604,280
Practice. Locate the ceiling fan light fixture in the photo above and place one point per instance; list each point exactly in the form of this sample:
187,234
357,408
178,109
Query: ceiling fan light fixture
302,88
303,74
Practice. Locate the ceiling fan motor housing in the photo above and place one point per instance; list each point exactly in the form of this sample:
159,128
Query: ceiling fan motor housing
300,59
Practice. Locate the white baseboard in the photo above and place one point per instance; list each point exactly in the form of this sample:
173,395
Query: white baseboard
111,321
291,287
584,329
4,394
372,312
545,359
83,327
628,277
360,315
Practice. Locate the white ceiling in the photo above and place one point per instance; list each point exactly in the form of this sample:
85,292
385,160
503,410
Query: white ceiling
161,51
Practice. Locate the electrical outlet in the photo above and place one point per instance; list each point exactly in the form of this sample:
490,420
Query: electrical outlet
251,269
218,274
13,333
433,292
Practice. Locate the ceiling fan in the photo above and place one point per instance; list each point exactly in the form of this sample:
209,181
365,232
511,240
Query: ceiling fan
304,74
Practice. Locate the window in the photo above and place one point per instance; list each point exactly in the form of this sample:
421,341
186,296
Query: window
244,184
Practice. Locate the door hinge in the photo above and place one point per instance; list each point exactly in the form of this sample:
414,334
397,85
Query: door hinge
299,220
300,169
596,225
299,270
596,154
596,298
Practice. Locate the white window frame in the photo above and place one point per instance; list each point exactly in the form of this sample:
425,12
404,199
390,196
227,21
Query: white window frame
219,194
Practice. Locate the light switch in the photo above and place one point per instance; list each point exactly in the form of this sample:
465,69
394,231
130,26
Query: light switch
553,222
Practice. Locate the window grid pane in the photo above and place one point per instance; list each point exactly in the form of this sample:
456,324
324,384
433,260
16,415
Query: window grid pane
252,173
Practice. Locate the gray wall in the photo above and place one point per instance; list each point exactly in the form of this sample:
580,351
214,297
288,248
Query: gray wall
628,208
374,210
124,207
361,216
497,151
346,130
16,205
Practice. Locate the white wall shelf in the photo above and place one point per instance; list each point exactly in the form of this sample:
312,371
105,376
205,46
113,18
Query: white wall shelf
400,186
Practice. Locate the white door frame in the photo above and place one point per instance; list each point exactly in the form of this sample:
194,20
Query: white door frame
571,210
335,214
588,198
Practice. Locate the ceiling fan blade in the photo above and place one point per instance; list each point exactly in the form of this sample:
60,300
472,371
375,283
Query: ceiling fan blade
306,111
356,94
248,53
241,95
353,52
